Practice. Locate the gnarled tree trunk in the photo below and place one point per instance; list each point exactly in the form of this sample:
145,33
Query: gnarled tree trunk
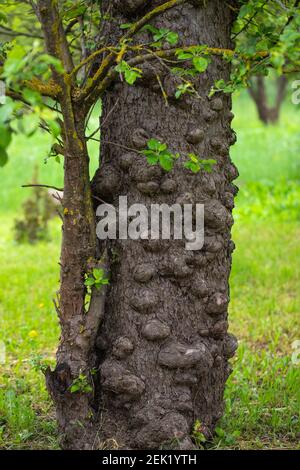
163,345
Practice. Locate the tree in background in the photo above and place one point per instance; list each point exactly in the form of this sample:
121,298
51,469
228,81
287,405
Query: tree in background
259,93
144,346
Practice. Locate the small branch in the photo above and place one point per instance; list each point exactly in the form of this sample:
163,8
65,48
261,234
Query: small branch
88,59
54,34
121,146
150,15
248,21
50,89
100,77
42,186
110,112
10,32
70,25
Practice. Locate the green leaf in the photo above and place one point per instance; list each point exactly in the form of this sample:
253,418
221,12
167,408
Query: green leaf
162,147
183,55
74,388
33,97
76,10
166,161
90,281
50,60
131,76
17,52
152,159
98,273
149,27
3,156
172,38
30,123
7,109
5,136
126,25
54,127
153,144
3,17
200,64
194,167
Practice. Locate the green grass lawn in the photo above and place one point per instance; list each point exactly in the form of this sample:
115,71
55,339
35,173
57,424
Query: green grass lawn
262,396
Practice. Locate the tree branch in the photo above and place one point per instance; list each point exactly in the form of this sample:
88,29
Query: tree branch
10,32
54,34
150,15
42,186
103,70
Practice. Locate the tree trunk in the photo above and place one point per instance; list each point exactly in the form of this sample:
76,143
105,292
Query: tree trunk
163,346
267,114
79,324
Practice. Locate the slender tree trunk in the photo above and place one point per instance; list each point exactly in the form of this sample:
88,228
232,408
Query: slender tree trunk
71,384
79,323
163,345
257,90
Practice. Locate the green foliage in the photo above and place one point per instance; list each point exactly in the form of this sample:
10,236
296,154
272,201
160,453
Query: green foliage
5,139
39,363
198,55
195,164
81,385
96,278
22,64
267,38
125,25
184,88
197,434
158,152
74,10
226,439
161,35
131,74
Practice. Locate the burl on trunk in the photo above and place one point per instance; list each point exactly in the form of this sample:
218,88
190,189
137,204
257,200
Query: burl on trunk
163,345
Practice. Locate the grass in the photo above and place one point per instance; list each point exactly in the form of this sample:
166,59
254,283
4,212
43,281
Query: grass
262,396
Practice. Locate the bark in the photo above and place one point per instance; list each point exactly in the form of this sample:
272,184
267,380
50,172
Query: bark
79,323
267,114
163,346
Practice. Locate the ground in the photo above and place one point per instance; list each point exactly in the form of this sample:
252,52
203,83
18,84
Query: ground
262,395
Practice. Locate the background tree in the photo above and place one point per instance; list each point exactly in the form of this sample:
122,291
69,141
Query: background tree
259,92
143,356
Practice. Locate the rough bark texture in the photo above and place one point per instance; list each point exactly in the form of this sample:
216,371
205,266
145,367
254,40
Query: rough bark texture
79,325
163,345
257,90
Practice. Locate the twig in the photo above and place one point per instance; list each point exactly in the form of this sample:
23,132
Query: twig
42,186
109,113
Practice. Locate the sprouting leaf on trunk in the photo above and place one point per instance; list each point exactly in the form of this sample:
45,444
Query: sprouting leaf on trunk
96,278
184,88
81,385
131,74
161,35
158,152
195,164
